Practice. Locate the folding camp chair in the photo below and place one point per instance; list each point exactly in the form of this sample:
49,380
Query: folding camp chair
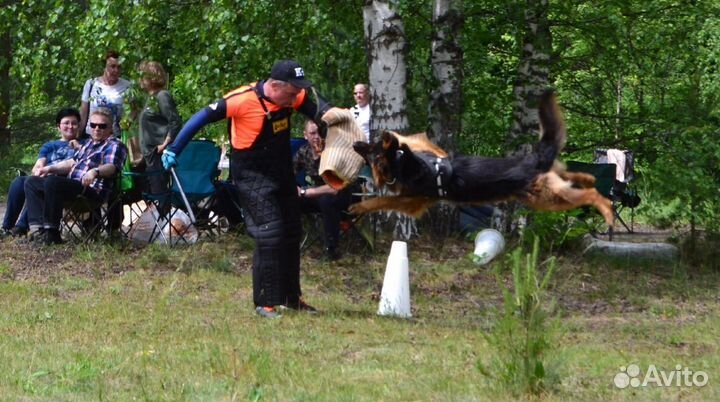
191,195
361,226
607,185
137,204
622,194
84,219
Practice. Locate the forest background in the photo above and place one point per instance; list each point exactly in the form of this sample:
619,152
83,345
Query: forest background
638,75
111,321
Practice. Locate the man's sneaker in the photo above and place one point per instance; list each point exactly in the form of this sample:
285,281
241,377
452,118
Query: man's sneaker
267,312
300,305
36,236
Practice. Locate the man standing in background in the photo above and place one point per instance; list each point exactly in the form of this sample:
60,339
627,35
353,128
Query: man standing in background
361,111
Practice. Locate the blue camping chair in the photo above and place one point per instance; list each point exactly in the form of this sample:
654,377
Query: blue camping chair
185,211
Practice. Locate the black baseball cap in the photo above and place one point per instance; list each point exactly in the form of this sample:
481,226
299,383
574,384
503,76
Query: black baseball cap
290,71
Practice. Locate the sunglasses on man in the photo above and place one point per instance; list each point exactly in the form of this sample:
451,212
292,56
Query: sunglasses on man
101,126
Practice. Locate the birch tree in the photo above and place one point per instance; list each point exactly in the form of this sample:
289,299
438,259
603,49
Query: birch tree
531,79
446,99
532,75
386,47
446,59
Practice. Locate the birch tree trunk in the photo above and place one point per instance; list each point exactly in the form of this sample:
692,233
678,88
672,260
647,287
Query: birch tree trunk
386,48
386,45
446,58
446,100
532,77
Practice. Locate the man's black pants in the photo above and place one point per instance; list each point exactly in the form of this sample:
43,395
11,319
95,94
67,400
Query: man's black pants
330,207
267,192
45,197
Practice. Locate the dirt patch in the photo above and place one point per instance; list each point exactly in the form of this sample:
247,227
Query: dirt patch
23,261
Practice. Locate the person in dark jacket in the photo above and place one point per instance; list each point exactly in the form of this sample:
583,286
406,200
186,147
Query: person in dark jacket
315,194
159,124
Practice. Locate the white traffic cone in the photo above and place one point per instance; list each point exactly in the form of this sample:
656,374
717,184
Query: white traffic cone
395,295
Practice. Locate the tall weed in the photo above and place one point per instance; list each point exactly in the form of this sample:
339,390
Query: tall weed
526,332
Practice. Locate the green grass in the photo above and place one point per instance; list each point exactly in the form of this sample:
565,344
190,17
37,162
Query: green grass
99,323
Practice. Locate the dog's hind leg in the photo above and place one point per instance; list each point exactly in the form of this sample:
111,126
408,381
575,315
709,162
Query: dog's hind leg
581,179
589,196
550,192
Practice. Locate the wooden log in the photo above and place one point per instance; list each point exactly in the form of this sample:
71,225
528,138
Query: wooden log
624,250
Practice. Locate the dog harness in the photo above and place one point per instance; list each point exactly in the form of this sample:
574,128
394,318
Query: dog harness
440,168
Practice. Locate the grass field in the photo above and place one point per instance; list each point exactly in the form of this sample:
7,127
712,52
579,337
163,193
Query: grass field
122,324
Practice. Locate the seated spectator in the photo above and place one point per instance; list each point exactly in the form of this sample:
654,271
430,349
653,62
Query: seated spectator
15,221
315,195
90,173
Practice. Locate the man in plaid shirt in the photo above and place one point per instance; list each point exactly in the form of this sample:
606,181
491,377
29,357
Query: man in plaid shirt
90,173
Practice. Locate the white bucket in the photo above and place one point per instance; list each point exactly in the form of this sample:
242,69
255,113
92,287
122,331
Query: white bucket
488,244
395,295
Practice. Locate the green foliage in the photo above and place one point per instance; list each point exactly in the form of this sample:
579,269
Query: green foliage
691,192
642,76
490,43
639,75
208,49
701,252
525,335
555,230
19,160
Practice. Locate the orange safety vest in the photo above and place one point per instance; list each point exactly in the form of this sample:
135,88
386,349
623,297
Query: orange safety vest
255,121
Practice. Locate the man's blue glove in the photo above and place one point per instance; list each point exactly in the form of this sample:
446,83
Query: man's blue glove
169,159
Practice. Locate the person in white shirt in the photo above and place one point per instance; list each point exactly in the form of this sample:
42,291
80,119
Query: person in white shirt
106,91
361,111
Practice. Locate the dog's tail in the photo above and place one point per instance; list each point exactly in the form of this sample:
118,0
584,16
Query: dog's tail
552,125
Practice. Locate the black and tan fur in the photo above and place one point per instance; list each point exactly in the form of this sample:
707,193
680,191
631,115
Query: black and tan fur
537,179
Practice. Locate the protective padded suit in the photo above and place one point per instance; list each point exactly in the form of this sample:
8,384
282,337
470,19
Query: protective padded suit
264,178
261,170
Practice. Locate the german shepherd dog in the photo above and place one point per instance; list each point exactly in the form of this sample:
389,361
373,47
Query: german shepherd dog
421,174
